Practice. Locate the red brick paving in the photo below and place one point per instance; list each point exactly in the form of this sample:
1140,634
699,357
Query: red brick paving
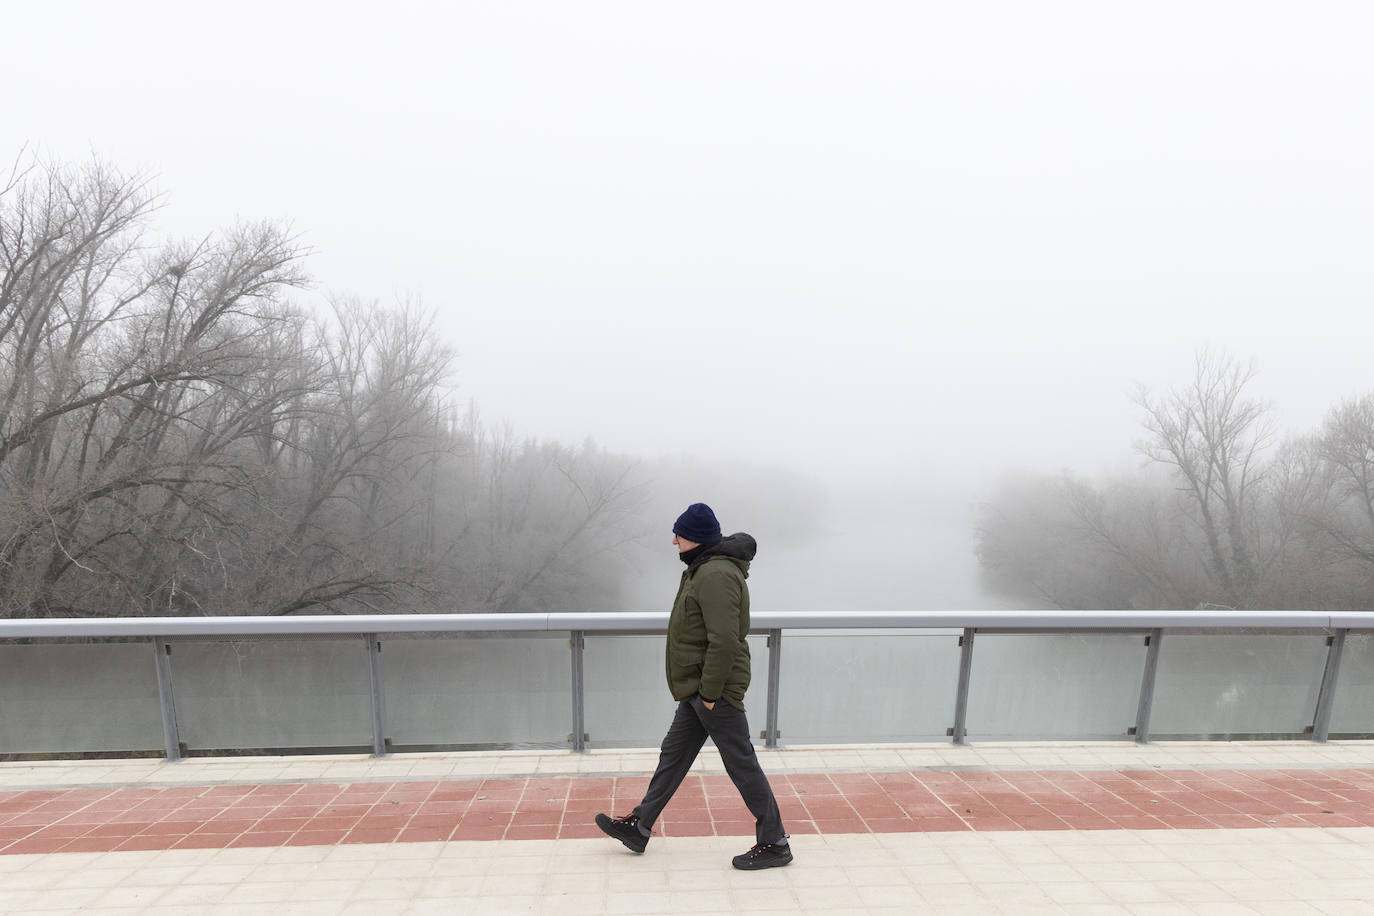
181,817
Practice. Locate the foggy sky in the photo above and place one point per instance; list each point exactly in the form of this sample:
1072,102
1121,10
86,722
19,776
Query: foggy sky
905,245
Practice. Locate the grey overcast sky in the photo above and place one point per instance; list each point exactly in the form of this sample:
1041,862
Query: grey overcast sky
895,242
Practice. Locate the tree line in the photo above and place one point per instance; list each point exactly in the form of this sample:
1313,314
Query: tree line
179,437
1223,514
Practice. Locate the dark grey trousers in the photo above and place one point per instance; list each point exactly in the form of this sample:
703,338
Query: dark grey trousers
729,729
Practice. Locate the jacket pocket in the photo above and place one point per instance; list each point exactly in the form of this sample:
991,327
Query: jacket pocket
689,657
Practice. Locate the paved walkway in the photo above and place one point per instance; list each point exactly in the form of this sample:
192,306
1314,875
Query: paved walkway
1053,828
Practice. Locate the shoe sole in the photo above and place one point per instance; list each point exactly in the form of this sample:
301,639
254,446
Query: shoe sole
762,865
603,822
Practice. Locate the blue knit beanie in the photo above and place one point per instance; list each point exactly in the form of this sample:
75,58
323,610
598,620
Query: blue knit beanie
698,524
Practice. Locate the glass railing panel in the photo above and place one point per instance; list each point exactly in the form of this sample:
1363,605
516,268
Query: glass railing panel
627,703
72,699
273,694
1352,712
475,691
862,686
1054,685
1237,686
626,690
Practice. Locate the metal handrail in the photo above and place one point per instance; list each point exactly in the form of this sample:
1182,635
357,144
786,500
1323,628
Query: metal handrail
370,627
657,621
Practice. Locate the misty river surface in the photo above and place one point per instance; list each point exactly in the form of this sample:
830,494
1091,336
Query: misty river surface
912,554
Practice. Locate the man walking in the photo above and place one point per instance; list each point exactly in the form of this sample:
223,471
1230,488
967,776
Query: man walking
707,662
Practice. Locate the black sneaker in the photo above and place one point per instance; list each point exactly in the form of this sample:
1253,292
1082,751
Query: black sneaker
763,855
625,829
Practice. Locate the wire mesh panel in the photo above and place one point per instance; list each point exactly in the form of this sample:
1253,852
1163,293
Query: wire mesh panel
72,699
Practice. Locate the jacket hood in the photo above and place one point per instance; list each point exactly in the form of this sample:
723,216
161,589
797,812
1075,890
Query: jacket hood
739,547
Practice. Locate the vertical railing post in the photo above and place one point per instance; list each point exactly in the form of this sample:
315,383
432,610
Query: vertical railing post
374,680
162,651
961,692
578,642
1321,722
1147,686
770,727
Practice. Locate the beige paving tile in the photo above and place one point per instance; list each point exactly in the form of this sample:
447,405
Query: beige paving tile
165,857
1094,909
1160,909
219,874
1037,853
762,898
1343,907
257,892
1253,891
1131,892
336,890
574,905
1164,871
386,889
385,870
1283,908
948,895
574,883
194,895
637,880
887,896
1193,891
1349,889
1032,909
1107,871
67,862
993,873
827,897
866,875
636,902
1014,893
808,876
1049,873
17,901
448,886
699,901
511,885
1074,892
765,878
243,854
92,877
936,874
28,880
1224,870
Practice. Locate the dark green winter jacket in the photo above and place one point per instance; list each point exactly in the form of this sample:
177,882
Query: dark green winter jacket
707,652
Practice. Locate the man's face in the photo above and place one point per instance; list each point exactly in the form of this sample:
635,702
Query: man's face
683,545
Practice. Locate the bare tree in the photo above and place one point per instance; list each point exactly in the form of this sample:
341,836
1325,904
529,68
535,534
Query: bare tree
1345,446
1248,527
544,525
177,438
1214,438
116,366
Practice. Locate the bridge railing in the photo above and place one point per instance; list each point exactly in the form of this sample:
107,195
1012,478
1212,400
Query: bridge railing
81,687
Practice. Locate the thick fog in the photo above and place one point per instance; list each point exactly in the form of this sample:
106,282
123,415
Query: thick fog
887,252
